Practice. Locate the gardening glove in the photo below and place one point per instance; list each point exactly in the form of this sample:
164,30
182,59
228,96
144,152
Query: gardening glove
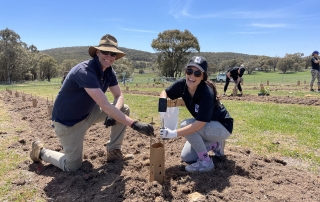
166,133
143,128
231,80
109,121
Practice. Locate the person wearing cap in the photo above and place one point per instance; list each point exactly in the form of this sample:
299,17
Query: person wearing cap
82,102
234,75
315,70
211,123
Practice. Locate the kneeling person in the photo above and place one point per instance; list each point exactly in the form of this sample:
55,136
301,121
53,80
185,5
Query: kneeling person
211,124
82,102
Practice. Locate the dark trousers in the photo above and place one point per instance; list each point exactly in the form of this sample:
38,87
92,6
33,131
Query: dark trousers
227,84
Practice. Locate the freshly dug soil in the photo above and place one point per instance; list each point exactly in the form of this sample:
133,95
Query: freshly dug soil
239,176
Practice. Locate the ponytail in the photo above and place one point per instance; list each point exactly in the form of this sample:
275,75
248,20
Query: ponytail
209,83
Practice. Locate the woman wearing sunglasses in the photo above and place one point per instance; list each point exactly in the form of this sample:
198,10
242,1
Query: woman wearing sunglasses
211,124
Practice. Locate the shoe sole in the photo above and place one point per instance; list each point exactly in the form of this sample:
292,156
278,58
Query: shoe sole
36,147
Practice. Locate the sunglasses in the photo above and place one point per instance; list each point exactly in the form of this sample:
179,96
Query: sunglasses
196,73
108,52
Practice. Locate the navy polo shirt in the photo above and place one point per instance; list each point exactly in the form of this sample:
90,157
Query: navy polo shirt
315,65
73,103
234,73
201,106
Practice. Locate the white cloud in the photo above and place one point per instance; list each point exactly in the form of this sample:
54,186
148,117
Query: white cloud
250,33
139,30
262,25
180,9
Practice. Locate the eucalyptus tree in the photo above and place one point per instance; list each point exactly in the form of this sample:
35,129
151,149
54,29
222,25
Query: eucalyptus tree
9,43
173,47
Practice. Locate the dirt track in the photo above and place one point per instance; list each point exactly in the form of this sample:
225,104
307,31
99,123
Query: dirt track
240,176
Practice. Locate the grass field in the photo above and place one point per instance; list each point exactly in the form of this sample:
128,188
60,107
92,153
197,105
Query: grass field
268,129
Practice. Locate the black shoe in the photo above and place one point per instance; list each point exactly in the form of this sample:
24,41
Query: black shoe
311,90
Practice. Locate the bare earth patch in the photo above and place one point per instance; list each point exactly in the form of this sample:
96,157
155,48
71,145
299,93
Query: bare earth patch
240,176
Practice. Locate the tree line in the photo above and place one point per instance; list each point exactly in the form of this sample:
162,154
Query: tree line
174,47
19,61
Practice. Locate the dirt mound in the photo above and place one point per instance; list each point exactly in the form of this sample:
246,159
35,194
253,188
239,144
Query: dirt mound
240,176
313,101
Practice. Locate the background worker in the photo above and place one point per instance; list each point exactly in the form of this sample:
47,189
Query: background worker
234,75
315,70
82,102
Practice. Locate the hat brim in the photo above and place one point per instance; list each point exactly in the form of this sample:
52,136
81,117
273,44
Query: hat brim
93,49
197,66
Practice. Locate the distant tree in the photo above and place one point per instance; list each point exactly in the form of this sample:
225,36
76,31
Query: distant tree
307,61
212,68
299,63
9,43
173,47
274,61
34,56
285,64
141,71
47,67
66,66
123,66
250,65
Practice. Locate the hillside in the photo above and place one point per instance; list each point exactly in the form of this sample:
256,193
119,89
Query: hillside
80,53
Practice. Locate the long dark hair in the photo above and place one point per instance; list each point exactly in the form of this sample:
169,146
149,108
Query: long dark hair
209,83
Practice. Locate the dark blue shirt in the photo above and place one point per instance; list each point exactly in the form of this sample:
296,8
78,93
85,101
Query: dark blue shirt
234,73
202,105
315,65
73,103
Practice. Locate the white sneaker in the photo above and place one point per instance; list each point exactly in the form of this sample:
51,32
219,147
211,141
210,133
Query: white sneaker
201,166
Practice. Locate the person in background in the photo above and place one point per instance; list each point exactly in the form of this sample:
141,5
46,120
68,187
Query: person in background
82,102
315,70
211,124
234,75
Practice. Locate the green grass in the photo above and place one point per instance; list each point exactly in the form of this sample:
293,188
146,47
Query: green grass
258,126
277,78
9,161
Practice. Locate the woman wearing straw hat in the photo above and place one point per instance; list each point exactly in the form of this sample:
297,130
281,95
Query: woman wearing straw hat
315,70
82,102
211,124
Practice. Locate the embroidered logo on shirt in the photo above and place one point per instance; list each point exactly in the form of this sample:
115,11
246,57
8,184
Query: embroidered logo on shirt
197,60
196,108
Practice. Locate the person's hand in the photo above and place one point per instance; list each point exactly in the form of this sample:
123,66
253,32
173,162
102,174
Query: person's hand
109,121
167,133
143,128
231,80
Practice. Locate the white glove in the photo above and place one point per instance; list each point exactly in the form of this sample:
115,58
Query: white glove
162,114
231,80
168,133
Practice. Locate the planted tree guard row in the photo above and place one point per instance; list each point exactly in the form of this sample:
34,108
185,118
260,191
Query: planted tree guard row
34,100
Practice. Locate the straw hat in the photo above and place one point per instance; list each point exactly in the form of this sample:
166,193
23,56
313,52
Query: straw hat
107,43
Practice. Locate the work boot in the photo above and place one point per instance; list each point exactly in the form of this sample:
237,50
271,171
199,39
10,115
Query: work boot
116,154
35,152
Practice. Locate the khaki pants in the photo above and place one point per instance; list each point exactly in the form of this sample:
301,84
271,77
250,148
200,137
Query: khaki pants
71,139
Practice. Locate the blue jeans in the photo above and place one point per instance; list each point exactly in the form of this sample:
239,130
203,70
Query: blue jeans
200,141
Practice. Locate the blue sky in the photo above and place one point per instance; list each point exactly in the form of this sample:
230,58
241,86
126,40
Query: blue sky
272,27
